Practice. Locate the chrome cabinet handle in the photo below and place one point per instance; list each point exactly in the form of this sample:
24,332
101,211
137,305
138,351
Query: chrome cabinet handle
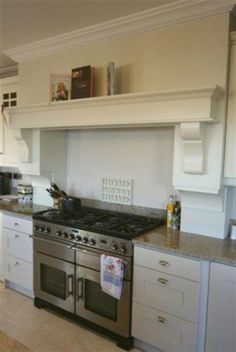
80,288
70,285
162,320
164,263
163,281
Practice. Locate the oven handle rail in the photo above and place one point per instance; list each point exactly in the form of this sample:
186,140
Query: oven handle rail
70,286
41,238
80,288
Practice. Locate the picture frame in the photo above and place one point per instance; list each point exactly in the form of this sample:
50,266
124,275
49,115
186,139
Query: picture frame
60,87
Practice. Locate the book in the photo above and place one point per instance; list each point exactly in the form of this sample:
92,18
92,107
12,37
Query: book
111,79
82,82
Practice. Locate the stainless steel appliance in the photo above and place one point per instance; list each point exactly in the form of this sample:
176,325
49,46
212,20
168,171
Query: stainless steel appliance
67,251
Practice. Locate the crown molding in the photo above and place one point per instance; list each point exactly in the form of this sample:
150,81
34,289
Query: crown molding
233,38
8,71
179,11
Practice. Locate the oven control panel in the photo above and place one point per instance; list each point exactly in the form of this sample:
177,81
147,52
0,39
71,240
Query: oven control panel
86,238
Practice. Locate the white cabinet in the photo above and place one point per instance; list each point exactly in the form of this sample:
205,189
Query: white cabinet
166,293
18,253
9,151
230,159
221,326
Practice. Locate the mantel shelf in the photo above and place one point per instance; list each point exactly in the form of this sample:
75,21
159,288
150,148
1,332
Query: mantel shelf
123,110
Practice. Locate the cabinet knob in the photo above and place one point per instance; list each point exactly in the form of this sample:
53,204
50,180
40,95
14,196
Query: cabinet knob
16,224
16,263
163,281
162,319
164,263
16,236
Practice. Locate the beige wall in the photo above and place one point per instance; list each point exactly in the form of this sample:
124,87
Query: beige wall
189,55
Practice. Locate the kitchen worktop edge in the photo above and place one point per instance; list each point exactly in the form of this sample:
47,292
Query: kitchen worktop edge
21,210
189,245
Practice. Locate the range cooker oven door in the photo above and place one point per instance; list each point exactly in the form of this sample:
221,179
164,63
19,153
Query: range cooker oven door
54,279
96,306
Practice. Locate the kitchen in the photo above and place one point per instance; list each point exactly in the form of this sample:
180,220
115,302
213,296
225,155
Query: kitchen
180,63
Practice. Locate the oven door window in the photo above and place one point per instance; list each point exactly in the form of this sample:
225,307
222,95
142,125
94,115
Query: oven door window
53,281
99,302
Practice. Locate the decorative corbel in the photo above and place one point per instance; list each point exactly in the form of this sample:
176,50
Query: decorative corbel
24,150
192,134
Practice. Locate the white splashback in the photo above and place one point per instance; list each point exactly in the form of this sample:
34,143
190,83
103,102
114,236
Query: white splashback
144,155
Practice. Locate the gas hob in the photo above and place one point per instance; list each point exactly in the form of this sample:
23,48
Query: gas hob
98,228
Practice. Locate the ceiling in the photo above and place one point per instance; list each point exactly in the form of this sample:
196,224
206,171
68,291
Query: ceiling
26,21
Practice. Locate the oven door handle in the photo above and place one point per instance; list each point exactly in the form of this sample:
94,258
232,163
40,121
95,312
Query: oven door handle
80,288
72,246
69,285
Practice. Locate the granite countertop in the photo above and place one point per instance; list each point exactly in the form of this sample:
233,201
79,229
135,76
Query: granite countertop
25,210
189,245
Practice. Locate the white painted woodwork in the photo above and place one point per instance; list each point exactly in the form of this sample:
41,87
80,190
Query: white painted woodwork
167,293
18,271
18,252
17,244
230,151
9,155
221,327
167,263
167,332
122,110
17,223
47,154
193,147
162,16
168,301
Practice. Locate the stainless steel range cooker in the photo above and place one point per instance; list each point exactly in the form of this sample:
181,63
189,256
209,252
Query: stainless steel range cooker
67,251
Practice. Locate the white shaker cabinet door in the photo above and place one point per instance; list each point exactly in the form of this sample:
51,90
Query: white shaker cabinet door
221,326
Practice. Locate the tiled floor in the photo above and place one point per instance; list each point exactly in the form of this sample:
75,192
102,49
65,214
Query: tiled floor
42,331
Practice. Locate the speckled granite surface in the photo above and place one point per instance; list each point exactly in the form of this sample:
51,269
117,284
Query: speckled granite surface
189,245
15,207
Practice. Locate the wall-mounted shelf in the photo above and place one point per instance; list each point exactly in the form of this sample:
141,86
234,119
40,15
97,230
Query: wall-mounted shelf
124,110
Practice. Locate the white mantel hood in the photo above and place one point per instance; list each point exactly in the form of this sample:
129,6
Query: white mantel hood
124,110
190,111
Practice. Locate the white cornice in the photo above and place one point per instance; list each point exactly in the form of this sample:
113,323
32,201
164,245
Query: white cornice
233,38
8,71
179,11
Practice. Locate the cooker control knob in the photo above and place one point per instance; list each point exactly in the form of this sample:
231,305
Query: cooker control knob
114,247
47,230
36,228
71,236
85,240
122,249
92,242
58,233
78,238
65,235
41,229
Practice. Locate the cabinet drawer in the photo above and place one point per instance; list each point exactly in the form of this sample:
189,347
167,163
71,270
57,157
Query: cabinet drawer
170,294
17,244
17,224
167,263
18,271
163,331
